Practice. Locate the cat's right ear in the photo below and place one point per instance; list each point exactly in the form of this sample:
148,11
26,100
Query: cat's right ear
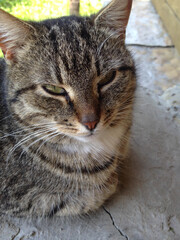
13,34
114,17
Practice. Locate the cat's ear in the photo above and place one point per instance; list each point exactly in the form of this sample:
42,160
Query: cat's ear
114,17
13,34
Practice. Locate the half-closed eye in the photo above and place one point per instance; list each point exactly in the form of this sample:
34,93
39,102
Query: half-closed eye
54,90
107,79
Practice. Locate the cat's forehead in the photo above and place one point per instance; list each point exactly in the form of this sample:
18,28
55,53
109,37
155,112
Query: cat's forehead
73,42
81,50
71,33
80,37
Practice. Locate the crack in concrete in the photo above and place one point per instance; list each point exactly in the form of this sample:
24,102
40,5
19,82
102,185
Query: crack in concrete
149,46
114,224
171,229
14,236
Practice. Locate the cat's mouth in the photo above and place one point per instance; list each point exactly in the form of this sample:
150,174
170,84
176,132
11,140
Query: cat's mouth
89,135
85,138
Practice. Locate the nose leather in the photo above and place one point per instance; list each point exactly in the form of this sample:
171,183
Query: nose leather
90,125
89,115
89,119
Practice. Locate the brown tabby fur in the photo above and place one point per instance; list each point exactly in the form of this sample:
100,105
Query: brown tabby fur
50,162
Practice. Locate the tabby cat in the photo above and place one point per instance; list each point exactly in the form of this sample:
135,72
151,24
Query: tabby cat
67,89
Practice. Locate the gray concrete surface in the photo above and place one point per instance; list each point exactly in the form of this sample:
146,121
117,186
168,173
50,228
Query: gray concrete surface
157,60
147,206
145,26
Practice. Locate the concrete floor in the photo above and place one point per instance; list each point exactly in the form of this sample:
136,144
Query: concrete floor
158,62
147,207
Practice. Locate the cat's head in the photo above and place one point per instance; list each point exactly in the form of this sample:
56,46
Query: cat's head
73,75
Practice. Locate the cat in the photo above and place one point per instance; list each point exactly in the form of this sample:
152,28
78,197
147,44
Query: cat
67,92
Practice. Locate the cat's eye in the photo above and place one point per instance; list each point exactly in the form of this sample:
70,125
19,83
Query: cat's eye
54,90
107,79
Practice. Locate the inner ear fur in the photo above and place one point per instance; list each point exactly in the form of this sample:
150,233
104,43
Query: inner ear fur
13,34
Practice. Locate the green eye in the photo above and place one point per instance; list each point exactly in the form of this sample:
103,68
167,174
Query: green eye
54,90
107,79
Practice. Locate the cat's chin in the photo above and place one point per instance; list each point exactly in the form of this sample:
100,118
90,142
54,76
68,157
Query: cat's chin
103,141
86,138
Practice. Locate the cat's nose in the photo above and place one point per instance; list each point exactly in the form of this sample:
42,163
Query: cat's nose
89,116
90,125
90,120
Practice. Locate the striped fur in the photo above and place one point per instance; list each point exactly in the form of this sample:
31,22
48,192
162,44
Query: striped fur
50,163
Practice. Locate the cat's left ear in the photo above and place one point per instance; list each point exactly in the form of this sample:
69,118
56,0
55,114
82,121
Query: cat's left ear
13,34
114,17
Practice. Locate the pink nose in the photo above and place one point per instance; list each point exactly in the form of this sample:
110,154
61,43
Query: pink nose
90,125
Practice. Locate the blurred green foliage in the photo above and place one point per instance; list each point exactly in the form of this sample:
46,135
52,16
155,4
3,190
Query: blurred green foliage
43,9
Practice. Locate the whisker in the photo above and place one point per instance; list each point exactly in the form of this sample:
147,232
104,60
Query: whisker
5,118
57,134
24,140
110,36
43,126
36,142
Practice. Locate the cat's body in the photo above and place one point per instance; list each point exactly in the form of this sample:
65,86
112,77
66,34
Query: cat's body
61,146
